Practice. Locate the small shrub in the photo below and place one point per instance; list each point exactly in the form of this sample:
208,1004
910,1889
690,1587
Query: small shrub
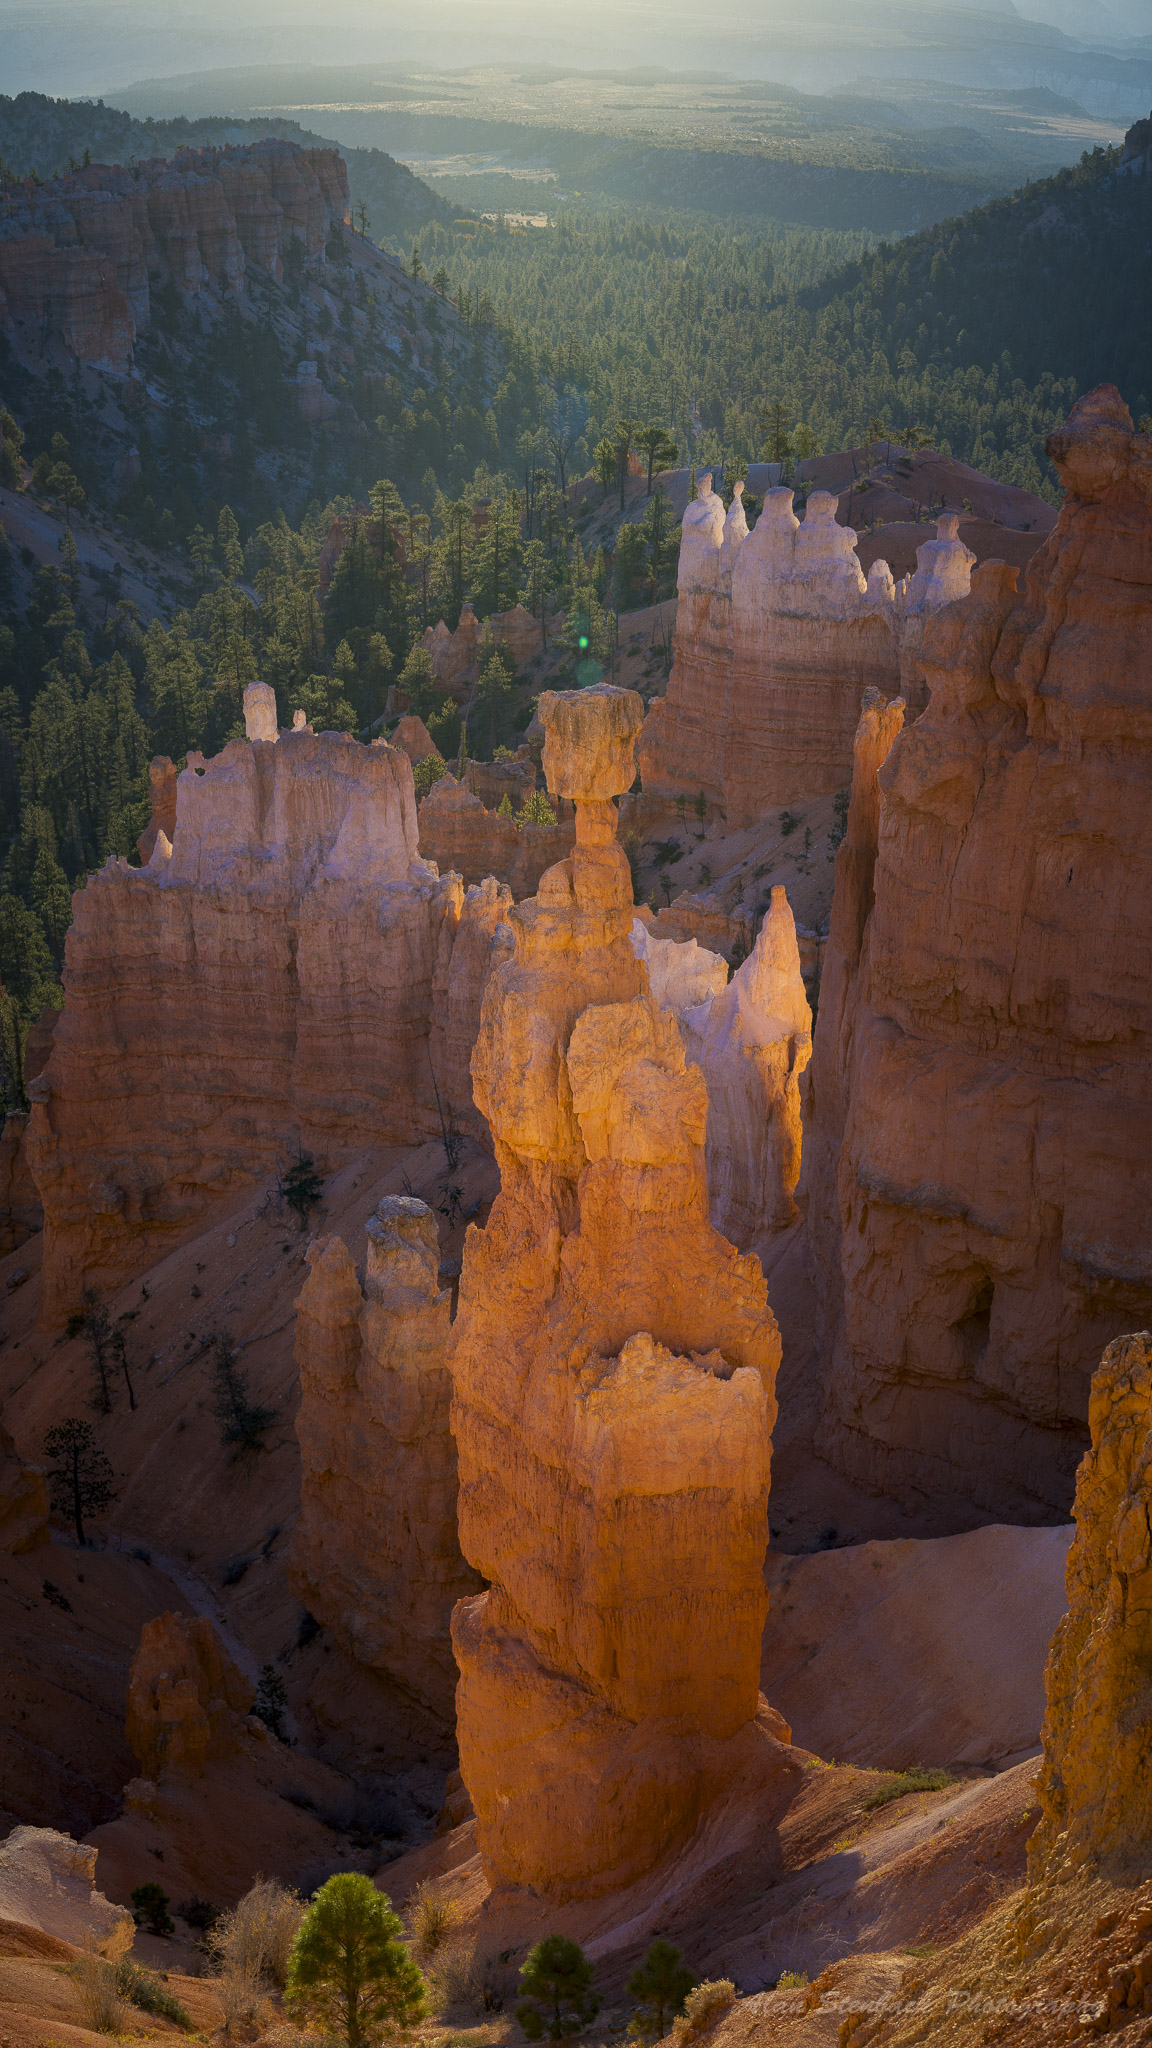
255,1939
200,1914
239,1992
271,1702
301,1186
555,1987
150,1908
660,1987
901,1783
792,1980
242,1421
536,810
55,1598
704,2007
426,773
666,852
144,1990
787,823
98,1997
432,1918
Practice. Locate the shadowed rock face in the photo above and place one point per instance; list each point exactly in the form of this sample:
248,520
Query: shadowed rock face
779,633
1095,1789
188,1703
78,253
283,974
988,1059
614,1362
375,1555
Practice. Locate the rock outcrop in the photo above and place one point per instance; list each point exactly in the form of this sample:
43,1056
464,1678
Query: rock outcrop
778,635
751,1037
1095,1788
993,1209
24,1506
752,1042
456,652
47,1882
162,780
264,985
79,253
375,1555
457,831
188,1702
614,1362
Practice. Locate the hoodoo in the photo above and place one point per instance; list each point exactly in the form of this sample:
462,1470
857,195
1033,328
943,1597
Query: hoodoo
614,1362
778,635
286,973
990,1227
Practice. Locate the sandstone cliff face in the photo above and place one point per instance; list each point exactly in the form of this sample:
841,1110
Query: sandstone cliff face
614,1362
264,984
375,1555
778,635
995,1209
46,1881
187,1701
1095,1788
77,253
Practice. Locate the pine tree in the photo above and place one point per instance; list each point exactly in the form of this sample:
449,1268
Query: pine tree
81,1482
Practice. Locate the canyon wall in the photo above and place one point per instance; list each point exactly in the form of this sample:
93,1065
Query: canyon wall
79,252
458,831
614,1362
265,985
778,635
988,1061
375,1555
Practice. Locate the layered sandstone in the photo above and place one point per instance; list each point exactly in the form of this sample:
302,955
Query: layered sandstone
264,986
188,1702
458,831
162,797
375,1554
778,635
456,652
1095,1788
992,1209
79,253
614,1362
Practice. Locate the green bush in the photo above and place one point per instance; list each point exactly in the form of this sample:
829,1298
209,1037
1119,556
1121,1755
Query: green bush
349,1968
901,1783
144,1990
556,1993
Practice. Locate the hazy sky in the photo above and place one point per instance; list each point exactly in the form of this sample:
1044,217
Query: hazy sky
92,46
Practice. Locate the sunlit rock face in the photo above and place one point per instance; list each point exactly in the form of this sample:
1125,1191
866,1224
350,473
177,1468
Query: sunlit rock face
375,1555
983,1040
779,633
283,975
614,1362
1095,1787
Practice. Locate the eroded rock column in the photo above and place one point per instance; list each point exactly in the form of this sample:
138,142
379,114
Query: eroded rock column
375,1555
614,1362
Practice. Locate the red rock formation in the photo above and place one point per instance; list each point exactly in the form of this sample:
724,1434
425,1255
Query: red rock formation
613,1362
1095,1788
993,1205
162,792
778,635
187,1701
375,1555
77,253
266,985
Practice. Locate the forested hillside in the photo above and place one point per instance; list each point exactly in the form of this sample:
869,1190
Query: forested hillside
46,136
